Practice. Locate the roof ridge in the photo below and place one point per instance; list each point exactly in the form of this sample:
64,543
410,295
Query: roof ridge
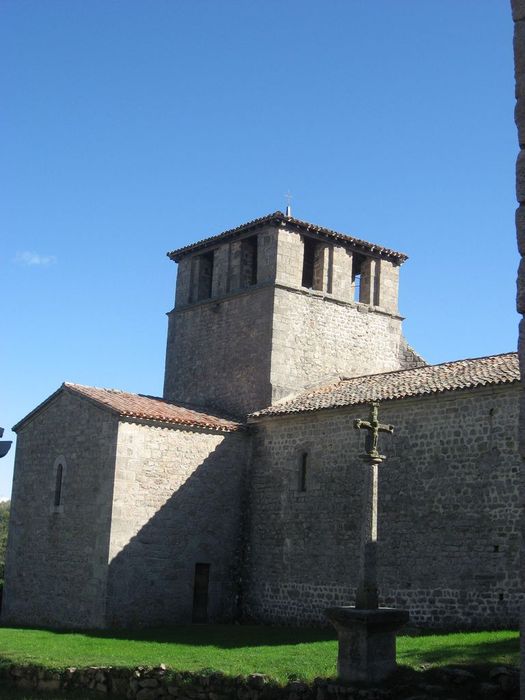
71,385
121,403
227,232
428,366
205,410
308,226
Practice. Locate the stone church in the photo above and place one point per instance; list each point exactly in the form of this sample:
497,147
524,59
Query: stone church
237,495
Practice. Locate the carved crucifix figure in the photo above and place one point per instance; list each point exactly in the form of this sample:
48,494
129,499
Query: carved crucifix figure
367,597
374,427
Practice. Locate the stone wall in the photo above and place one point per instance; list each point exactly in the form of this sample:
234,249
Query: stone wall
218,352
241,352
449,512
499,683
57,556
518,14
316,337
177,500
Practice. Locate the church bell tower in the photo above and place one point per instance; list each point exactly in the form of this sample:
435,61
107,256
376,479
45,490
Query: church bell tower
275,305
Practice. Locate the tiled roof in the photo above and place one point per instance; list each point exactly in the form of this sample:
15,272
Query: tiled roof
430,379
152,408
144,407
279,218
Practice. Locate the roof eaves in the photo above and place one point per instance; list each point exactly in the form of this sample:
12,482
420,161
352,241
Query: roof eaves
349,240
224,424
280,409
177,254
294,411
37,409
279,218
233,427
72,389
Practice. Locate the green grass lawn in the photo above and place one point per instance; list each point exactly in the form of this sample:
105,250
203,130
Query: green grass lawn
279,652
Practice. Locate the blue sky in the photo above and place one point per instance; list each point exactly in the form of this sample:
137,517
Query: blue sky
128,128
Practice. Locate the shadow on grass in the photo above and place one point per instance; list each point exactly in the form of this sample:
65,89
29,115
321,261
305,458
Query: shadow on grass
414,651
221,636
482,652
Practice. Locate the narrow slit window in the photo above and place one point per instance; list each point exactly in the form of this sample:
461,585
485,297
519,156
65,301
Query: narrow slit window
308,263
316,265
205,273
303,470
249,261
377,283
357,286
58,485
356,276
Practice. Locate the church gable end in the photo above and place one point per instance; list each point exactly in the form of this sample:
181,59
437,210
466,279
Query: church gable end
97,473
59,529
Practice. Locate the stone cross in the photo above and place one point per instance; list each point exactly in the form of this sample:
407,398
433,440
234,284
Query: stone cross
374,427
366,632
366,596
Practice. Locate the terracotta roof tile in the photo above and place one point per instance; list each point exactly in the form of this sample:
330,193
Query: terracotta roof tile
152,408
279,218
430,379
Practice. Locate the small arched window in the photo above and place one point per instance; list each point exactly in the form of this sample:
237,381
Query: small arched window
58,484
303,469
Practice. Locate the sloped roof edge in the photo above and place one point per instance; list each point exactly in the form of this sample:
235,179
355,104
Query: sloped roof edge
37,409
278,217
141,407
400,384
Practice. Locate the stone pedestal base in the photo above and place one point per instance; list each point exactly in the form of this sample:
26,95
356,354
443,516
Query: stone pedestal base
367,642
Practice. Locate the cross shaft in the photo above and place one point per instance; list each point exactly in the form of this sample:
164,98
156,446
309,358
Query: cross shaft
367,594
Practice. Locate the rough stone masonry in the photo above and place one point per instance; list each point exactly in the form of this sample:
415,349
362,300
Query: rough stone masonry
236,494
518,14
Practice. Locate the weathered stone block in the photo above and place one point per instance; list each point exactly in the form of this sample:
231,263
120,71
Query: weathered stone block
518,10
520,295
147,694
519,117
367,642
48,685
520,228
519,56
520,177
118,686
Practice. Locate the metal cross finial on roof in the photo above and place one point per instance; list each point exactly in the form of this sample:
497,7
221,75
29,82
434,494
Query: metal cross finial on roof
288,197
